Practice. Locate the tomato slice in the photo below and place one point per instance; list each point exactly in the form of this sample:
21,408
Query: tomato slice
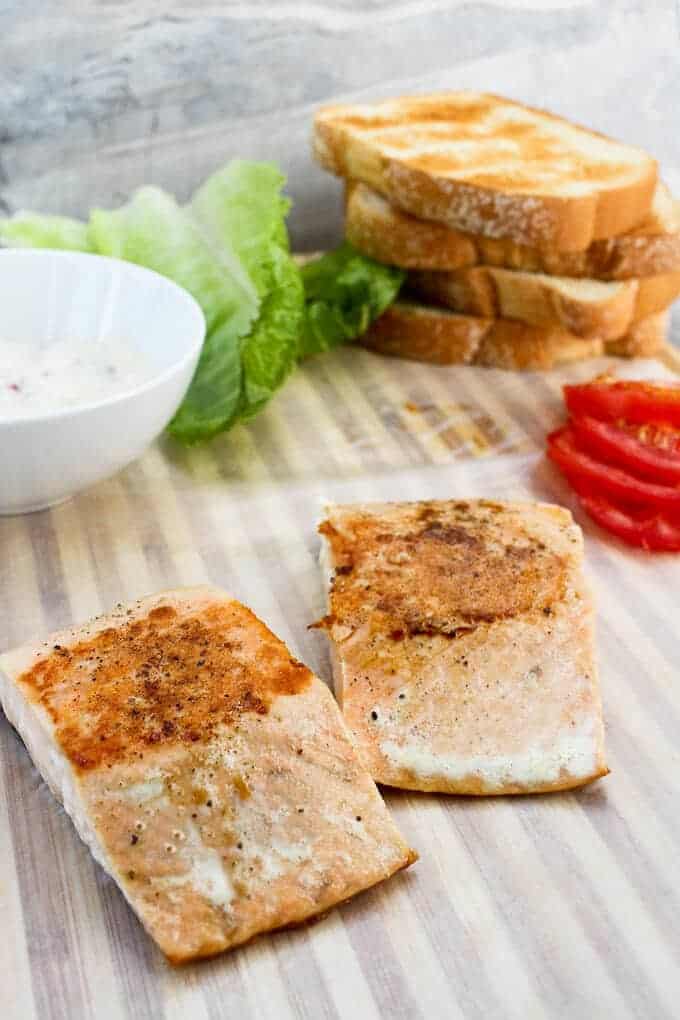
591,478
648,451
623,400
650,531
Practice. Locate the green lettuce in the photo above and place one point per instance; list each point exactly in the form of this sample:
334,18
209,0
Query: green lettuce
243,204
344,292
272,349
154,231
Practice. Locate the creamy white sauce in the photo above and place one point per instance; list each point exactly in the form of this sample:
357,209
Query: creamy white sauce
66,374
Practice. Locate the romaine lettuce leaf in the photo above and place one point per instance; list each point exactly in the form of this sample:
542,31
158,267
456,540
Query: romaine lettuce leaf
154,231
344,292
242,377
213,400
271,350
243,202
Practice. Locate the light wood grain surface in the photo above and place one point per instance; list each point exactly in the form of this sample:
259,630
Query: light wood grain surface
561,906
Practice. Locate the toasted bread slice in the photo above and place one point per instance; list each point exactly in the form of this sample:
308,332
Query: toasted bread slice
209,772
644,339
587,308
428,333
490,166
515,347
462,637
386,233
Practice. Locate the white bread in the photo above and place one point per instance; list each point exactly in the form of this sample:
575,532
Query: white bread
487,165
386,233
436,335
584,307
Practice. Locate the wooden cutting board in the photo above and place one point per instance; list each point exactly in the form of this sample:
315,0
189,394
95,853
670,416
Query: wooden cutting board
559,906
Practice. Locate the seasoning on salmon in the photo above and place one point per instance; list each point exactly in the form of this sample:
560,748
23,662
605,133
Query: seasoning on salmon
462,638
209,772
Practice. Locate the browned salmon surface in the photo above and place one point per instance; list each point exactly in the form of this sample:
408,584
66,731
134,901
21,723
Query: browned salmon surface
462,634
208,770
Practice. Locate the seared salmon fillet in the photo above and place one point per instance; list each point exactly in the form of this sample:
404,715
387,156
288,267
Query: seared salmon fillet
209,772
462,637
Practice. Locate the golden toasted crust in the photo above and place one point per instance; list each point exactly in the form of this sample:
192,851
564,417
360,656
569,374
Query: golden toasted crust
515,346
424,333
463,644
644,339
486,165
585,308
390,235
209,772
437,335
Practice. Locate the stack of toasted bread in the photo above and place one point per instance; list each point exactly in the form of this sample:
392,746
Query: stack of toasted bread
528,241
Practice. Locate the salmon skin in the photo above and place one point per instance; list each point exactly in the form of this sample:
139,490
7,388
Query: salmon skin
209,772
463,647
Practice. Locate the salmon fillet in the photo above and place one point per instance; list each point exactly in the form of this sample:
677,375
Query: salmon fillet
208,771
462,637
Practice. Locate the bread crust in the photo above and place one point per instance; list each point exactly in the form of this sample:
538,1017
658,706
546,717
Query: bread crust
435,335
586,308
388,234
644,339
436,183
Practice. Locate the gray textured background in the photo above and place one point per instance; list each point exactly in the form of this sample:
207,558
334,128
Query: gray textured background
99,96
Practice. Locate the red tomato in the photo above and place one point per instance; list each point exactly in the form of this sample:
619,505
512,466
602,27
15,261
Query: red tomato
621,400
589,477
647,451
647,530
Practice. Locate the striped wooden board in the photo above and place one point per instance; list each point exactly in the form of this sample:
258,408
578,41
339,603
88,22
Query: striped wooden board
560,906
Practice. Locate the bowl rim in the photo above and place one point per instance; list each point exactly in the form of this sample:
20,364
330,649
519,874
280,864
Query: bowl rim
144,387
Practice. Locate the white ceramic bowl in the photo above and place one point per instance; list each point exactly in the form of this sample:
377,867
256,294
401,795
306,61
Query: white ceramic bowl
62,295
